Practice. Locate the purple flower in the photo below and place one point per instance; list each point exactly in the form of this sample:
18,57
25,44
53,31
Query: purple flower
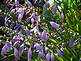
46,5
21,49
70,43
16,43
32,20
35,29
20,11
59,52
8,45
36,45
53,24
27,31
40,55
33,15
62,16
13,11
46,49
54,9
80,59
52,57
17,2
16,55
29,3
4,50
48,56
20,16
35,1
44,36
29,54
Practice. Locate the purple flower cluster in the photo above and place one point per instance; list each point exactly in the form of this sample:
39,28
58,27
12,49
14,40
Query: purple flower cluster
27,19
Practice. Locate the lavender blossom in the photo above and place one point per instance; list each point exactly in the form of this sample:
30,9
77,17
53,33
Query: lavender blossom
59,53
33,15
35,1
29,54
4,50
32,21
29,3
20,11
12,11
46,5
36,45
53,24
70,43
8,45
80,59
44,36
62,16
16,54
27,31
40,55
35,29
52,57
17,2
20,16
21,49
54,9
48,56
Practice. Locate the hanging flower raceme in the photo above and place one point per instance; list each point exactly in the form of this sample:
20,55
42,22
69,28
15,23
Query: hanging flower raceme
48,56
29,54
46,5
44,36
52,57
53,24
54,9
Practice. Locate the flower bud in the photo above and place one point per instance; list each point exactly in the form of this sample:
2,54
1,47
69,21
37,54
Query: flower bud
52,57
46,5
44,36
48,57
29,54
20,16
27,31
70,43
16,55
4,50
21,49
29,3
62,16
53,24
54,9
80,59
59,52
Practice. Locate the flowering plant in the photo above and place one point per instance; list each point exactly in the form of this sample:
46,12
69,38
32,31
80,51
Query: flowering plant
40,30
